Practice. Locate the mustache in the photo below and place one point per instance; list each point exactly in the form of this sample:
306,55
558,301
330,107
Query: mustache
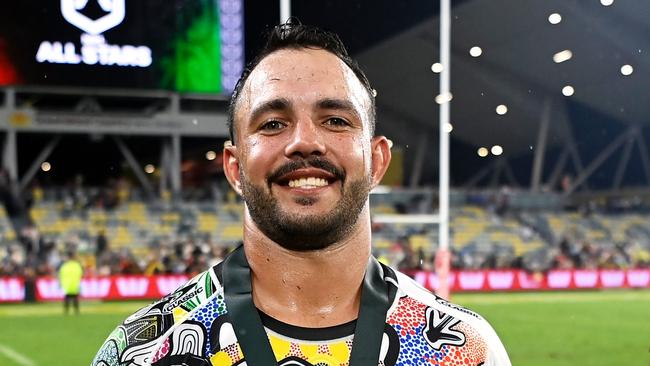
312,161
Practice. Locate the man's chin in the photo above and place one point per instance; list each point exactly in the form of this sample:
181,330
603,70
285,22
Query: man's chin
304,231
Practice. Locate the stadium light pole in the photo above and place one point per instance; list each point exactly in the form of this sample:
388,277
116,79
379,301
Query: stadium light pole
285,10
443,254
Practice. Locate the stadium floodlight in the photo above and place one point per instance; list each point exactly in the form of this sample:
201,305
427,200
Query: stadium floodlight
475,51
46,166
501,109
562,56
627,70
437,67
449,127
554,18
568,91
149,169
444,98
607,2
496,150
482,151
210,155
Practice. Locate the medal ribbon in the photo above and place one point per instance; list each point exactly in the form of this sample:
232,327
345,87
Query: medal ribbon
250,332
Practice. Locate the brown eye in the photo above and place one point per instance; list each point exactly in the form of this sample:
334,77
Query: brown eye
272,126
337,122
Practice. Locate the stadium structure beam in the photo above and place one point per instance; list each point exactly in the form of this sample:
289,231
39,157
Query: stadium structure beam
133,163
496,173
36,164
599,160
643,150
9,150
164,164
559,166
88,104
625,158
570,142
10,155
540,147
471,182
510,176
176,165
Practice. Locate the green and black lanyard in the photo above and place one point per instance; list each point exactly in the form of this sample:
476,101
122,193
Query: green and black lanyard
250,332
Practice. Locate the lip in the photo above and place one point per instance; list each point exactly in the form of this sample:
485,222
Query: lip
306,173
299,191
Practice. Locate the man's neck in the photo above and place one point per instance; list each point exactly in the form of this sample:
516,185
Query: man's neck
309,289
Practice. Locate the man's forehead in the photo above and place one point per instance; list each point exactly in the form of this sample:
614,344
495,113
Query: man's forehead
309,72
298,64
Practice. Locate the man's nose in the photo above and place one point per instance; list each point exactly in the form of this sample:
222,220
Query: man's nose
306,139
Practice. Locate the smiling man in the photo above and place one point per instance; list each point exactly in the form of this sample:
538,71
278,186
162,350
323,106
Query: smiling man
304,288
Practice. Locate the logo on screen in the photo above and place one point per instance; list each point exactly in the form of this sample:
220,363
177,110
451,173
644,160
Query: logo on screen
71,12
93,48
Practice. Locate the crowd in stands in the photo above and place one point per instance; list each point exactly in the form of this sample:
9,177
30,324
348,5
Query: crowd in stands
115,232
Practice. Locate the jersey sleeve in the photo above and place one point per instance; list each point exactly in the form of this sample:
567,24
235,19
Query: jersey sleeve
142,336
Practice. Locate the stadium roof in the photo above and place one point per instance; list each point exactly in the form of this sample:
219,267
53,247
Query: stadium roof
517,69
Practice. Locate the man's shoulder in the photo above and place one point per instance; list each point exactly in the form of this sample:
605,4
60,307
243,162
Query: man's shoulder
141,336
408,287
424,321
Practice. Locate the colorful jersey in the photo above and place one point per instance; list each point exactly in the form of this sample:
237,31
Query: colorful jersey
191,327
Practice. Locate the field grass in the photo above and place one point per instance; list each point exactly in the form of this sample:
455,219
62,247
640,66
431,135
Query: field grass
575,328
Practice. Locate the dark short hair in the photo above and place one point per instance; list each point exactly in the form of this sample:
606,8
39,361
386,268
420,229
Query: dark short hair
293,35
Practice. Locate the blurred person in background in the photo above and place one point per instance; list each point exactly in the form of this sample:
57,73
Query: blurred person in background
70,275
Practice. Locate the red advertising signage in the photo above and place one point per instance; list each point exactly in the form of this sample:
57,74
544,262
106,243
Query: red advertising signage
12,289
113,287
517,280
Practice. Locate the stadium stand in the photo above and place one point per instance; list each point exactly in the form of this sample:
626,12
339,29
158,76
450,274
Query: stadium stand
163,236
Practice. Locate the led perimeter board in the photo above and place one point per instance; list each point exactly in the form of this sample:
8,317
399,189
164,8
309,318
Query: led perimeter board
193,46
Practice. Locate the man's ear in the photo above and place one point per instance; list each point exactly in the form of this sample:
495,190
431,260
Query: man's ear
231,166
381,156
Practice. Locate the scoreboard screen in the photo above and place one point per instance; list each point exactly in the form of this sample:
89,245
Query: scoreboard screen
193,46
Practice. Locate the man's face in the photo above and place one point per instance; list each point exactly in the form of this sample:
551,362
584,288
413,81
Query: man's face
304,160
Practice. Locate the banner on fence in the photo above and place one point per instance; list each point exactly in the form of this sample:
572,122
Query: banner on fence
12,289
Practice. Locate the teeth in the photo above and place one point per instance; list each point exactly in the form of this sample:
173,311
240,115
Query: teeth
310,182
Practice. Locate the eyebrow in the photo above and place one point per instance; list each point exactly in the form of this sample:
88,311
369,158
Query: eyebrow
284,105
338,104
273,105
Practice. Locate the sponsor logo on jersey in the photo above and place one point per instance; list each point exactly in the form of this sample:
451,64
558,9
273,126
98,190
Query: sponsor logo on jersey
182,299
444,302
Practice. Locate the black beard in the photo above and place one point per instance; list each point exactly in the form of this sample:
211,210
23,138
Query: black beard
310,233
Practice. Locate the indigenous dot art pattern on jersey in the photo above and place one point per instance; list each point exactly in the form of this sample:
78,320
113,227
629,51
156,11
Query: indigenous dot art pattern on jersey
191,327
